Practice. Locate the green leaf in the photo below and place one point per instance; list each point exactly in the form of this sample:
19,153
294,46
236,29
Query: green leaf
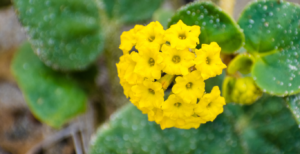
215,81
131,132
130,11
163,15
265,127
272,126
52,97
65,34
293,103
109,6
241,63
215,24
271,32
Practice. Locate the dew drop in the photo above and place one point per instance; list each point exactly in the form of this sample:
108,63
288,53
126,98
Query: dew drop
266,24
271,14
279,26
251,21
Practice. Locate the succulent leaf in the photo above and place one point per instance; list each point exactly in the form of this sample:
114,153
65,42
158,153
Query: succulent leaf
65,34
293,103
215,24
272,36
249,129
52,97
130,11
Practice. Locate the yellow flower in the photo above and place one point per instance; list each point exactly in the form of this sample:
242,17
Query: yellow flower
177,62
188,125
155,115
129,39
210,105
182,36
126,73
208,60
149,63
127,88
167,122
189,87
175,107
172,53
150,95
126,68
192,121
151,35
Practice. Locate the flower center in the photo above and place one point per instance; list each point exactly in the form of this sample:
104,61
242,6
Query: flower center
151,62
181,36
195,115
209,105
176,59
208,60
151,38
189,85
177,104
151,91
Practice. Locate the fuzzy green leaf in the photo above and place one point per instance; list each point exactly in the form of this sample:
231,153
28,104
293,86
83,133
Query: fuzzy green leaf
130,11
215,81
65,34
131,132
293,103
52,97
215,24
265,127
268,127
272,35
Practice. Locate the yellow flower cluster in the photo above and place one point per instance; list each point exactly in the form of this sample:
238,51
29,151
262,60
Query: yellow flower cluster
154,58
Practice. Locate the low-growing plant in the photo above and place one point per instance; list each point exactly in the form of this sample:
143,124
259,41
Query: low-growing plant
260,85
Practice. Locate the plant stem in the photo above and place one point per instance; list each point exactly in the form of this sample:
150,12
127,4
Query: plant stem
166,80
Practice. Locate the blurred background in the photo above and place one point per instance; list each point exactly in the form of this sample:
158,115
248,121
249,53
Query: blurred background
21,132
